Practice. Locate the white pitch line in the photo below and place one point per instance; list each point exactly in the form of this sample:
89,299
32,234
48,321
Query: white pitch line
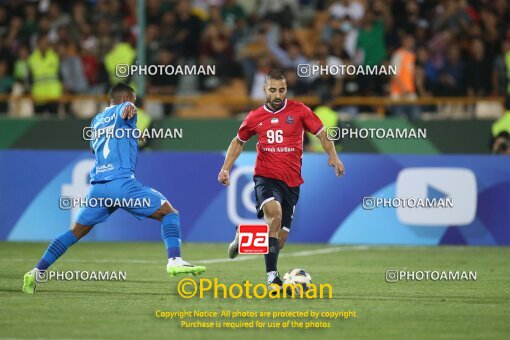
220,260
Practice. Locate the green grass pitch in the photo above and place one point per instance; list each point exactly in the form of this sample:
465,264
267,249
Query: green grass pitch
403,310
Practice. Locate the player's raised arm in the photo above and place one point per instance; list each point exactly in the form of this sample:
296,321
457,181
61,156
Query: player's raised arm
129,111
234,150
329,147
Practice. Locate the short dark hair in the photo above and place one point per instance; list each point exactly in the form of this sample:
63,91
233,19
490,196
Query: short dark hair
119,88
276,75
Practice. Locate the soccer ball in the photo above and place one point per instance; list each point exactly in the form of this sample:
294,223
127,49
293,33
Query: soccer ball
297,277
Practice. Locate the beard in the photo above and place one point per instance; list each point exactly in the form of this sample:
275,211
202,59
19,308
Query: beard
276,104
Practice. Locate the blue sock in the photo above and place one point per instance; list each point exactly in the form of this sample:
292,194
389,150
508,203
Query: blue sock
171,233
56,249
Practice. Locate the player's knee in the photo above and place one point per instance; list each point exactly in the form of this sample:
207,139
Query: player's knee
167,208
80,230
172,210
274,222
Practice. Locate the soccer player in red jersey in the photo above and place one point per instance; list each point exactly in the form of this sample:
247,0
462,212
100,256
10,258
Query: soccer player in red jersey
280,125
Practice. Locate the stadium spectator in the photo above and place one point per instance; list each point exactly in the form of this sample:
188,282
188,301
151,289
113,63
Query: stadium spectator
324,57
91,66
344,16
499,79
6,83
328,117
343,9
71,68
188,29
122,53
403,84
407,18
233,15
14,38
479,70
461,42
451,78
215,48
372,47
57,17
29,21
105,38
426,66
264,65
153,11
87,39
248,55
5,53
4,22
46,87
79,25
161,84
501,132
325,85
43,29
425,74
282,12
296,86
101,11
337,47
152,43
168,32
14,7
21,69
453,15
288,57
349,87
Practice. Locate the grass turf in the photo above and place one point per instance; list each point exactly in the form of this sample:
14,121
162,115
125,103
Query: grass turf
406,309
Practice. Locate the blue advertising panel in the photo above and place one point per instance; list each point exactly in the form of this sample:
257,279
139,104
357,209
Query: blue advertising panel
358,208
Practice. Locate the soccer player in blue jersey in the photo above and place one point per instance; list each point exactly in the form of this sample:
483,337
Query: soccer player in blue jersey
113,178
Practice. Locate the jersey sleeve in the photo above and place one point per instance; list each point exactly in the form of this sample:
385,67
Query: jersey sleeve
246,130
131,122
311,122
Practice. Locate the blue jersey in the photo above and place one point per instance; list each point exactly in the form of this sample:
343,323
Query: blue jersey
114,144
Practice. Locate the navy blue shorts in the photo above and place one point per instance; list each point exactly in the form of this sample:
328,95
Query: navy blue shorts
268,189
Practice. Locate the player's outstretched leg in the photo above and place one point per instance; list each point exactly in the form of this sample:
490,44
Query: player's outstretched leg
233,247
171,233
273,216
56,249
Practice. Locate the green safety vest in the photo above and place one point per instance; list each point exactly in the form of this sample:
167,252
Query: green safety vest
501,125
329,118
507,63
45,75
122,54
143,121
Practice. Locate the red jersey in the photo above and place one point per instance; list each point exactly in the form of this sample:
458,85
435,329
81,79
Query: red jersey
280,139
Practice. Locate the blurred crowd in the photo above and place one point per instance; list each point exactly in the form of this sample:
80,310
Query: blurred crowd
443,48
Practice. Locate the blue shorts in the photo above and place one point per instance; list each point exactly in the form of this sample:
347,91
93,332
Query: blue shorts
143,201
